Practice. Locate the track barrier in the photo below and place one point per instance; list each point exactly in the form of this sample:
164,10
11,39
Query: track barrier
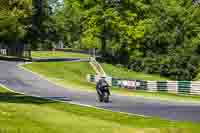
175,87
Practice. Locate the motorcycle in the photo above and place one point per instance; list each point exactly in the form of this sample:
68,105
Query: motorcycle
104,95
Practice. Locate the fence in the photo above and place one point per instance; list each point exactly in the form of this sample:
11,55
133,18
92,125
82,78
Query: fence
176,87
23,54
3,52
16,50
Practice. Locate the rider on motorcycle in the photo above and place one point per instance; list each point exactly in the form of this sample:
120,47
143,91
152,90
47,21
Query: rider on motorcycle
102,87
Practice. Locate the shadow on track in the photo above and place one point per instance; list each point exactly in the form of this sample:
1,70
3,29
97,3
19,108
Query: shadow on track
10,97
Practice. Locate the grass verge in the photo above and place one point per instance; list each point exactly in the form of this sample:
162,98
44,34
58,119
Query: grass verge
57,54
22,114
120,72
70,74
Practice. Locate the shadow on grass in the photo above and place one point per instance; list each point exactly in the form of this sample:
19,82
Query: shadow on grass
12,58
10,97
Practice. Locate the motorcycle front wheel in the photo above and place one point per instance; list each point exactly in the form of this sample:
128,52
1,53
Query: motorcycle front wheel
106,97
101,98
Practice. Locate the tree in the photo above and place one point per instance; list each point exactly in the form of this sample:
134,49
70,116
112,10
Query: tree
14,19
172,38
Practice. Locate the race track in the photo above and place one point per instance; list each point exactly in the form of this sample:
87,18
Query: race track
26,82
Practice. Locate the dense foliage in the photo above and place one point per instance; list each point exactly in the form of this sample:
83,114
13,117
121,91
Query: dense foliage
171,41
152,36
14,19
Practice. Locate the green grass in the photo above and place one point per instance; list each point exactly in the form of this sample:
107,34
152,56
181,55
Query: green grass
25,114
73,75
70,74
57,54
120,72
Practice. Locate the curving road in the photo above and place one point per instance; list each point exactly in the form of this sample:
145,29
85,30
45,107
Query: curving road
26,82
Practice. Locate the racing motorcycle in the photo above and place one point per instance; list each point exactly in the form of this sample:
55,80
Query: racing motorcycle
104,94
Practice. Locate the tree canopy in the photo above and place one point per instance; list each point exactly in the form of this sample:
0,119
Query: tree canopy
152,36
14,19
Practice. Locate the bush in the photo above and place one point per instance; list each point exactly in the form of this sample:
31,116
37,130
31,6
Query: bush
176,67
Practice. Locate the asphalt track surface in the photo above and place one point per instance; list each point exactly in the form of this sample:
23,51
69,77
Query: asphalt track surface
28,83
